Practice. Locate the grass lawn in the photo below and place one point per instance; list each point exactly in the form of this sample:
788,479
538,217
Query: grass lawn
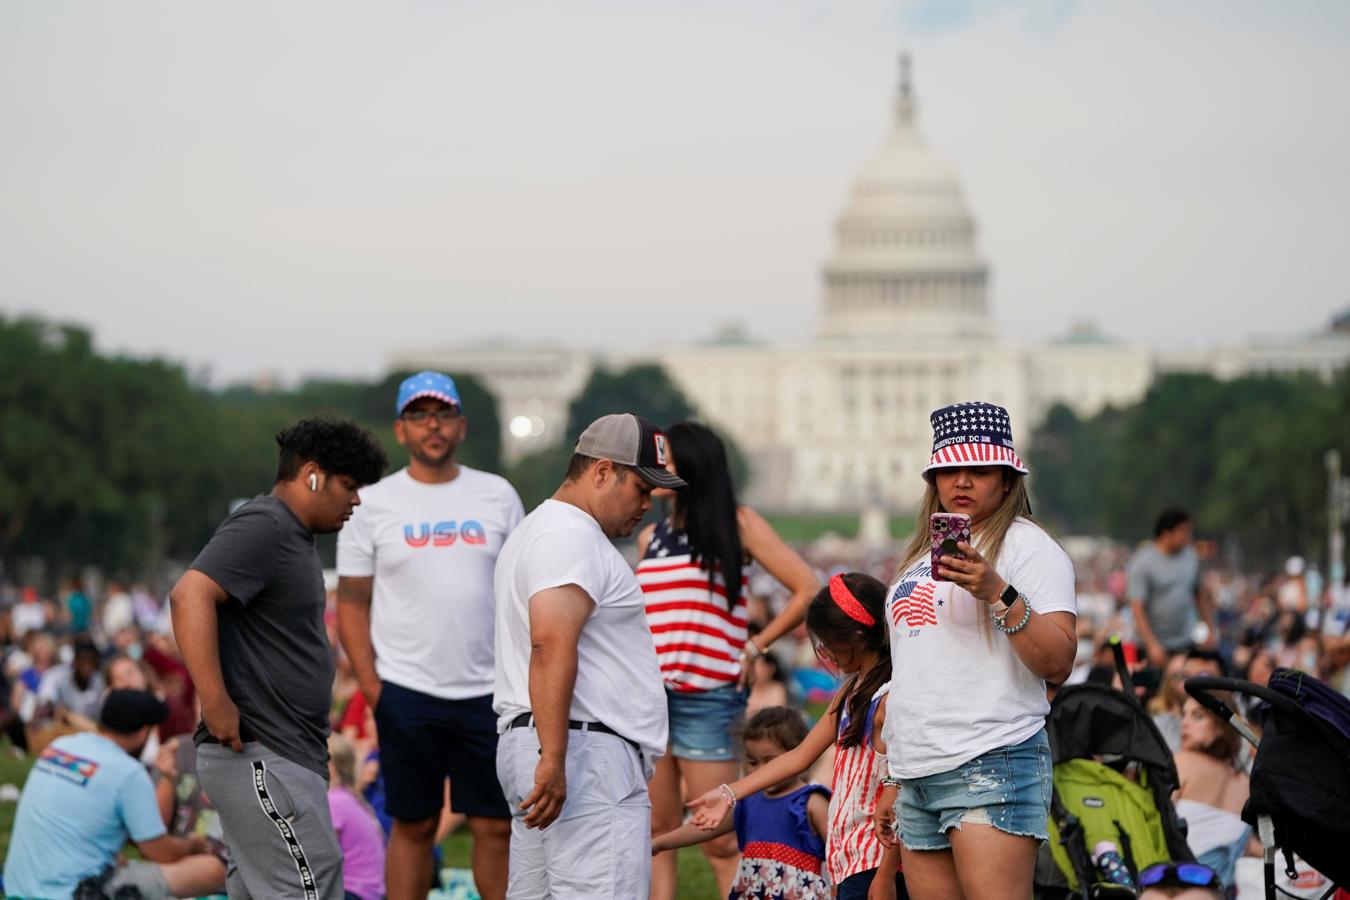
696,880
803,528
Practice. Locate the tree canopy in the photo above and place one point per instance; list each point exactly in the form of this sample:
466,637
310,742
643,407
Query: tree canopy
124,463
642,389
1245,457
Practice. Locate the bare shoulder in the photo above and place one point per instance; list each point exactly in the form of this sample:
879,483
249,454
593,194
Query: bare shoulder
749,521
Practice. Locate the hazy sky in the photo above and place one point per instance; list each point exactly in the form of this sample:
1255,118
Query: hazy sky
299,187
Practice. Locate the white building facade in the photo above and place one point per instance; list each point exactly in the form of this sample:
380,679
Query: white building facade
840,422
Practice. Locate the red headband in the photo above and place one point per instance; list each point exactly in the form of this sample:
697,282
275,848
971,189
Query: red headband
845,600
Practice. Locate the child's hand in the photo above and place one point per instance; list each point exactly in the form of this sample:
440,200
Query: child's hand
709,810
883,817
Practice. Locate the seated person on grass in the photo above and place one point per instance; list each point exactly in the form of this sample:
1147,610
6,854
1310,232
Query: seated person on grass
86,796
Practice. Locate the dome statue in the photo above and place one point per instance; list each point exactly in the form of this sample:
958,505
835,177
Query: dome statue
905,262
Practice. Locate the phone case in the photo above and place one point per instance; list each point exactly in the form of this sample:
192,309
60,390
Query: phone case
945,530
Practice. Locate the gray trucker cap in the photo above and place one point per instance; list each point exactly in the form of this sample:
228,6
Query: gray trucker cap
627,439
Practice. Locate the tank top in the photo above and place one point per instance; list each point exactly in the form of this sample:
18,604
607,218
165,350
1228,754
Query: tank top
781,856
852,845
698,640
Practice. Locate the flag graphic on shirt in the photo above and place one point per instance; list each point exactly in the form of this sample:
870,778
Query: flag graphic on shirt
913,604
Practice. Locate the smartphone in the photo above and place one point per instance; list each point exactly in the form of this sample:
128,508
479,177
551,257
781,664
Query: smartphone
946,530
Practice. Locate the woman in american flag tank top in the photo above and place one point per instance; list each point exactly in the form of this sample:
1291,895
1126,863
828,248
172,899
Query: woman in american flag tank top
848,628
693,568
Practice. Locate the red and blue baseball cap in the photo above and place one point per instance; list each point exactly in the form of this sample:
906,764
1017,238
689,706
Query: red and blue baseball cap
426,384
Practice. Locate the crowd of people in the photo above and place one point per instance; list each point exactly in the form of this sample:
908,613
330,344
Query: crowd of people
269,732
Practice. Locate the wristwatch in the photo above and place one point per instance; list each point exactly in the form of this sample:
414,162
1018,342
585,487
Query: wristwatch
1006,600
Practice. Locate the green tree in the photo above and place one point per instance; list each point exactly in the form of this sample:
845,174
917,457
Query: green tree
643,389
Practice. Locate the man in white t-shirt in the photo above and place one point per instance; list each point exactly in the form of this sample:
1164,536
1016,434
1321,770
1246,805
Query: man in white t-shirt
579,697
416,619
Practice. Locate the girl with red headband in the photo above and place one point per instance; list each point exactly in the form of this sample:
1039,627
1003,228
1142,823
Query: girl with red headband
847,624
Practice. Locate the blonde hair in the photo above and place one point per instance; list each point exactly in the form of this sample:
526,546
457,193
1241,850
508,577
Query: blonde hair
342,757
987,537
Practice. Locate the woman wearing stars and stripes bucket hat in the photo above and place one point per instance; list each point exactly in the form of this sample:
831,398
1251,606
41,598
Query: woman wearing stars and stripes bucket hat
973,645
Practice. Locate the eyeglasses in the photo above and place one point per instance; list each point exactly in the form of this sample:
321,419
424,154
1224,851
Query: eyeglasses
420,416
1186,874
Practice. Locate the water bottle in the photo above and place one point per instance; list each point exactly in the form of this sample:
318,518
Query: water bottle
1111,865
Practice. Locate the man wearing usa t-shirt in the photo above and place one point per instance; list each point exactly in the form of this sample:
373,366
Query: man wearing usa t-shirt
579,696
415,615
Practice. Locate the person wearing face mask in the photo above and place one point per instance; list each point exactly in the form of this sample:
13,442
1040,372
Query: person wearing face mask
86,797
975,636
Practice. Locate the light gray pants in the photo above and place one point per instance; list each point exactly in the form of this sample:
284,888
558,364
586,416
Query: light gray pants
275,817
600,846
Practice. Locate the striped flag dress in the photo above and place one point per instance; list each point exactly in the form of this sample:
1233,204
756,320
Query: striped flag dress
851,846
698,640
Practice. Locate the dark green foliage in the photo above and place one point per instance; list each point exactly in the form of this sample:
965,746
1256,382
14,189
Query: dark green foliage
1244,456
124,463
643,389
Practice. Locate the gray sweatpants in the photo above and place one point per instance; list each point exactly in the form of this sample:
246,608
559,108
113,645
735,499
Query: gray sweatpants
275,817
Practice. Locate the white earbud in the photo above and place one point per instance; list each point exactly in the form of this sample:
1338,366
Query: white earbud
313,482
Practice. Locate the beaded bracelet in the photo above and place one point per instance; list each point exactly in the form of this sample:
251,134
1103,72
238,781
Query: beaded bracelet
751,649
727,794
1026,617
891,781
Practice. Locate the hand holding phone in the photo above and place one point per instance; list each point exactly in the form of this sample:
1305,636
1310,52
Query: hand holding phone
946,530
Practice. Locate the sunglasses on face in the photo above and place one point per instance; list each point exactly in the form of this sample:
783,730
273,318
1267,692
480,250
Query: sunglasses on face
1184,874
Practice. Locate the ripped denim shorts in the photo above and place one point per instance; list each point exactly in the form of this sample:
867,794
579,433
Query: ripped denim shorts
1008,788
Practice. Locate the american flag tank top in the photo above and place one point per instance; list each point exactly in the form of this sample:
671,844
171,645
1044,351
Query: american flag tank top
851,846
698,640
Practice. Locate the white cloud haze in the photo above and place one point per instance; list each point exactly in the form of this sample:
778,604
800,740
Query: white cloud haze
297,188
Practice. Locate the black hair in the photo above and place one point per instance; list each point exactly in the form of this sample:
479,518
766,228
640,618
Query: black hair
780,724
338,446
87,648
707,508
1213,656
580,462
828,623
1170,518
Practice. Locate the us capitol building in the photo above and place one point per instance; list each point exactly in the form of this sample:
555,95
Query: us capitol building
841,421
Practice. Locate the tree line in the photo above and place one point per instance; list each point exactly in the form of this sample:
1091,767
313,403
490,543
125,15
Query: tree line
128,464
1244,457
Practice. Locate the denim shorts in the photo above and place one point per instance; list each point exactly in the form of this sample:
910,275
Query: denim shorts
705,725
1008,788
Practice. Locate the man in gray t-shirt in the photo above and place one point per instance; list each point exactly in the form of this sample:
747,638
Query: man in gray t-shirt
248,617
1163,587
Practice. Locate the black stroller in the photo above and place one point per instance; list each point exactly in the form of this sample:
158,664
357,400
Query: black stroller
1300,780
1097,735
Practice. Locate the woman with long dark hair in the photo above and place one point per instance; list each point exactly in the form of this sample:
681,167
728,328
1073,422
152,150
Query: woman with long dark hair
693,568
977,629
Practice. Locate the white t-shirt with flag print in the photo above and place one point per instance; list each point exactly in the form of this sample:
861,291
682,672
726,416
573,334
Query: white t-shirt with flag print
955,692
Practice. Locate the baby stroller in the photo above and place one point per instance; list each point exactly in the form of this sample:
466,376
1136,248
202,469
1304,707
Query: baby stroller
1113,783
1300,780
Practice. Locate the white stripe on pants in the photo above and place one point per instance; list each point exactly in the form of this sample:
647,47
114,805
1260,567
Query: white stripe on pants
601,843
275,816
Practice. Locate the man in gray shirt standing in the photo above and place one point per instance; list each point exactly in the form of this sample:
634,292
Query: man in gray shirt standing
248,617
1163,587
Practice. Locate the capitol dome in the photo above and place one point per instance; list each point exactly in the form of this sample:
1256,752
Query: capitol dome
905,259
